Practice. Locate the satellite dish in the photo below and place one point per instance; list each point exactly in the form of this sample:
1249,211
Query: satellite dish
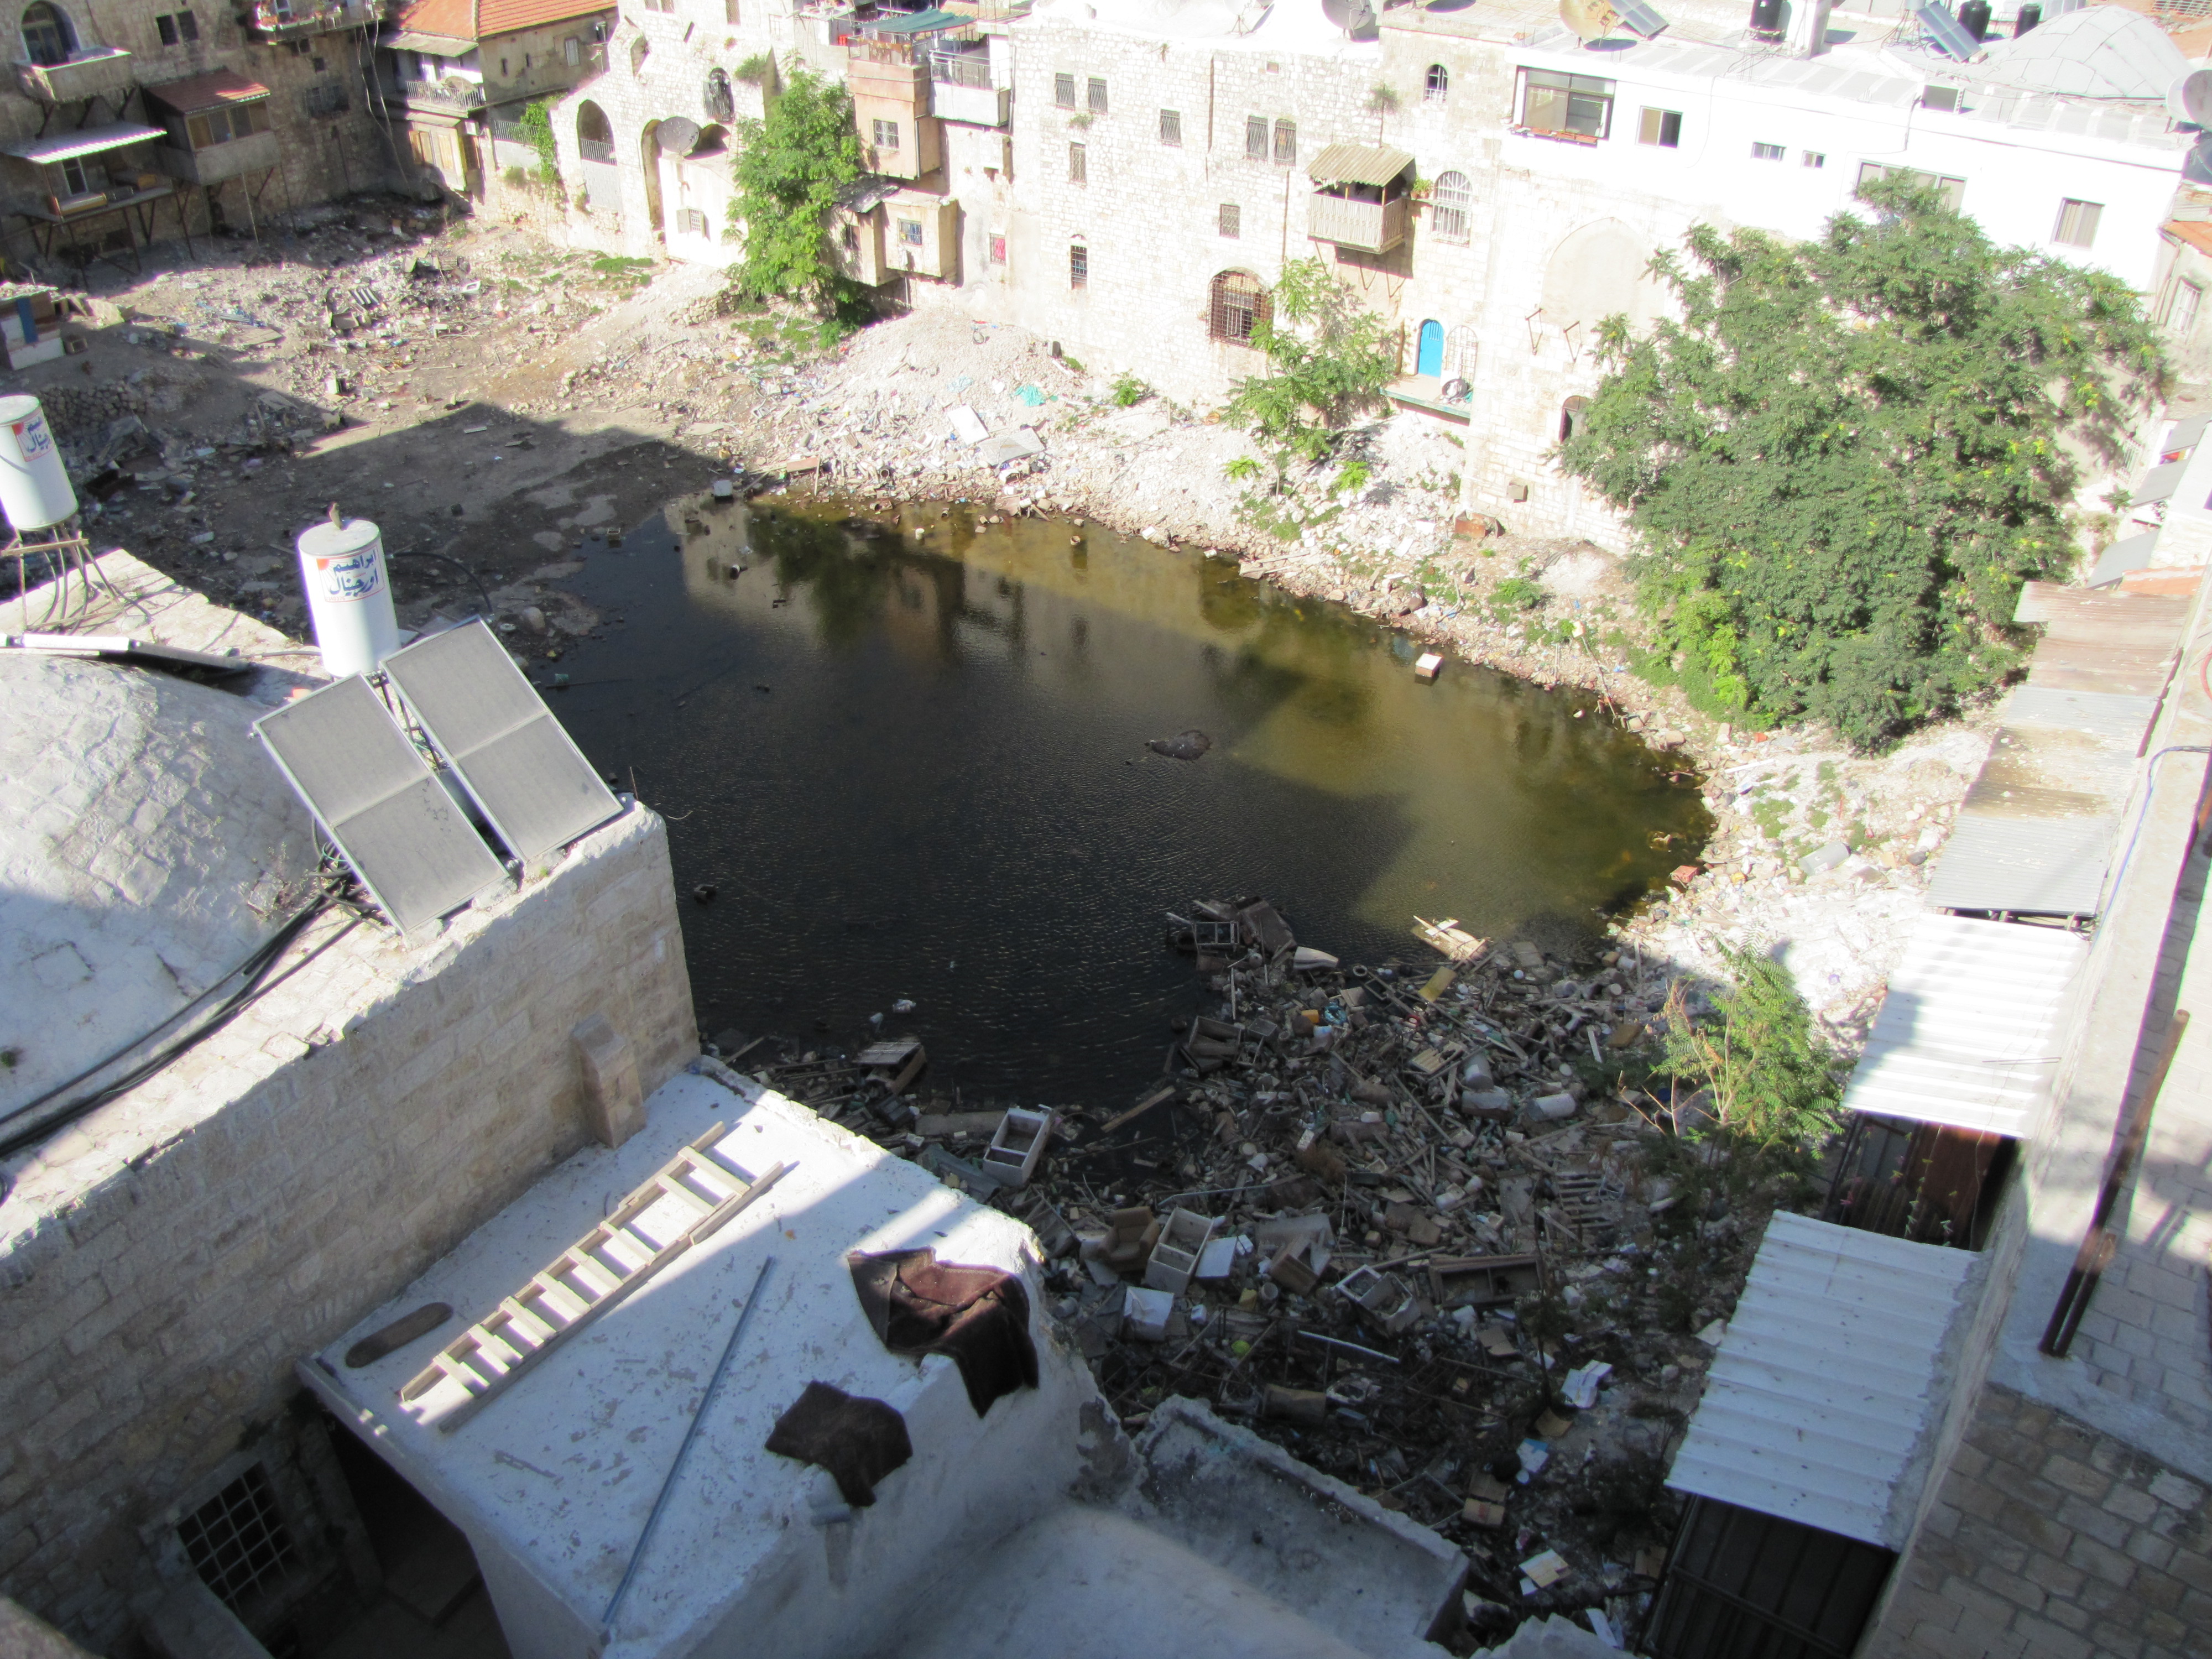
1593,20
679,136
2197,166
2189,99
1355,17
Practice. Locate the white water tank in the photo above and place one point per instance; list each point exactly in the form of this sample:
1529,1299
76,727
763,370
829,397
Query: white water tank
349,595
34,485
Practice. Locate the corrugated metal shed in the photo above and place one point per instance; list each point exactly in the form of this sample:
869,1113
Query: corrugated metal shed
1827,1381
1358,164
1969,1033
2035,832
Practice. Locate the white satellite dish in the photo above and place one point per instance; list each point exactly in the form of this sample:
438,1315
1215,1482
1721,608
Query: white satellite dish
2197,166
1355,17
1593,20
2189,99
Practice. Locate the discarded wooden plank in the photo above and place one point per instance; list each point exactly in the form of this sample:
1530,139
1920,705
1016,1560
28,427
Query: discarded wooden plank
1165,1091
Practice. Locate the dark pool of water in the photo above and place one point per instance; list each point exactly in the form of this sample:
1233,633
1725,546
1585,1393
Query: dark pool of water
909,753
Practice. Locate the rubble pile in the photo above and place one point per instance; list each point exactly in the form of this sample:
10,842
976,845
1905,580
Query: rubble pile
1431,1228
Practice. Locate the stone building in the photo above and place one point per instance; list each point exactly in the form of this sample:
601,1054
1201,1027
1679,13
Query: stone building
1131,185
458,74
267,108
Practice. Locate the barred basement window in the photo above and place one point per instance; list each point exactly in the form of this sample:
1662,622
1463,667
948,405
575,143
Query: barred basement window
1063,91
2077,223
1097,96
1172,127
1256,138
1449,216
1078,266
1232,221
1286,143
236,1540
1238,305
887,135
1078,166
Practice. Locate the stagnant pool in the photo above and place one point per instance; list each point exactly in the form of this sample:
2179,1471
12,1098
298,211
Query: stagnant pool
907,748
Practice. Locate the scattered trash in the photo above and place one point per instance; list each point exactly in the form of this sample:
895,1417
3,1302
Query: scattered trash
1184,746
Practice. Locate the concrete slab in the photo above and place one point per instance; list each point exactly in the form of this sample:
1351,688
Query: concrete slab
755,1553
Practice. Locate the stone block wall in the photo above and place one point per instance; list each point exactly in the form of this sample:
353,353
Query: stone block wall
2049,1540
164,1264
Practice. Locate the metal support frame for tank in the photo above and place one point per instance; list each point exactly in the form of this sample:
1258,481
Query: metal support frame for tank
70,551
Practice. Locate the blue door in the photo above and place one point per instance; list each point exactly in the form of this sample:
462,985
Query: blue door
1430,361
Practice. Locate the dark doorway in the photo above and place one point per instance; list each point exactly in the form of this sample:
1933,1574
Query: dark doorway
1743,1585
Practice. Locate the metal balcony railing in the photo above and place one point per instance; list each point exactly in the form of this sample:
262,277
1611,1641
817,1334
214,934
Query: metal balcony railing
601,150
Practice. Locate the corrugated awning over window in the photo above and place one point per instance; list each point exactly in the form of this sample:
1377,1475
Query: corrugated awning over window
1828,1381
85,141
1969,1034
203,93
1358,164
917,22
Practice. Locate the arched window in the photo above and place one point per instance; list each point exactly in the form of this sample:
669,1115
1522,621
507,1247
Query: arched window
721,103
638,48
594,137
48,37
1447,208
1439,84
1236,305
1571,416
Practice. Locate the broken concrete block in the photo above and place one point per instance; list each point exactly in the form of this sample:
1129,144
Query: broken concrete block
614,1101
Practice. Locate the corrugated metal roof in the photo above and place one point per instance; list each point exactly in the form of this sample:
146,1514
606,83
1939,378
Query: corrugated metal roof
1969,1033
1826,1384
206,92
1358,164
85,141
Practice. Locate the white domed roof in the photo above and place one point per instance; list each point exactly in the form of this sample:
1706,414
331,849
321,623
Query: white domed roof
2101,51
149,844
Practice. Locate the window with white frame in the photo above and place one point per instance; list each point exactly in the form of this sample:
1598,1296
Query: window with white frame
1662,127
1564,105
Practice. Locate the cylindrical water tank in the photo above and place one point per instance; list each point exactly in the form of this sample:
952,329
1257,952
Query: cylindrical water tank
1766,19
34,485
2030,16
1974,18
349,595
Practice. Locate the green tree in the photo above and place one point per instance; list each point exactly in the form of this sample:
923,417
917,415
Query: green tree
537,125
1775,1084
1849,453
790,167
1329,359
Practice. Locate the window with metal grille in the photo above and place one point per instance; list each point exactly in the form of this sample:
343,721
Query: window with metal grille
1437,84
1286,143
909,232
692,222
1448,209
1172,127
1565,105
1078,166
1460,350
1063,91
887,135
237,1541
1256,138
1232,221
1951,192
1078,266
1768,152
2077,223
1237,306
1097,93
1662,127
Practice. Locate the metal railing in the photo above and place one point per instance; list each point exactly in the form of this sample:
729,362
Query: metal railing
601,150
965,68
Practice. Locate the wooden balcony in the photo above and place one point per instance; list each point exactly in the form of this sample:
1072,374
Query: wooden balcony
1369,226
255,153
94,72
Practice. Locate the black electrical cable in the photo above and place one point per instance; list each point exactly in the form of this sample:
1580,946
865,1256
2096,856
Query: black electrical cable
255,970
483,591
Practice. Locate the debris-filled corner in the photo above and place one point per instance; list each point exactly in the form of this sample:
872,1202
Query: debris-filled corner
1419,1224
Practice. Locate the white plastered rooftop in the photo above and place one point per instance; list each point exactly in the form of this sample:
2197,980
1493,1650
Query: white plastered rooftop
558,1475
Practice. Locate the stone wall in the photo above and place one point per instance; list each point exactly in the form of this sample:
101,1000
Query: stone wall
166,1261
2051,1541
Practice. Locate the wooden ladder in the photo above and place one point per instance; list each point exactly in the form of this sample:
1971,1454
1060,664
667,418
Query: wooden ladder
588,1279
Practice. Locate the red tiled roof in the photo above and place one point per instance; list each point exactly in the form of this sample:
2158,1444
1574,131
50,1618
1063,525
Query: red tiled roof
482,19
2197,233
206,92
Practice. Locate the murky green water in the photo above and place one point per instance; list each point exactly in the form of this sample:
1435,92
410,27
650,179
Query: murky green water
908,752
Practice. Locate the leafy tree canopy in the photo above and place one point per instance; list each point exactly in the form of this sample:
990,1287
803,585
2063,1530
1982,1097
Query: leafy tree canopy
790,167
1849,453
1329,358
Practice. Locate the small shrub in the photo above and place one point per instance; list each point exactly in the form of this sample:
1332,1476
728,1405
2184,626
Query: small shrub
1130,390
1776,1086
